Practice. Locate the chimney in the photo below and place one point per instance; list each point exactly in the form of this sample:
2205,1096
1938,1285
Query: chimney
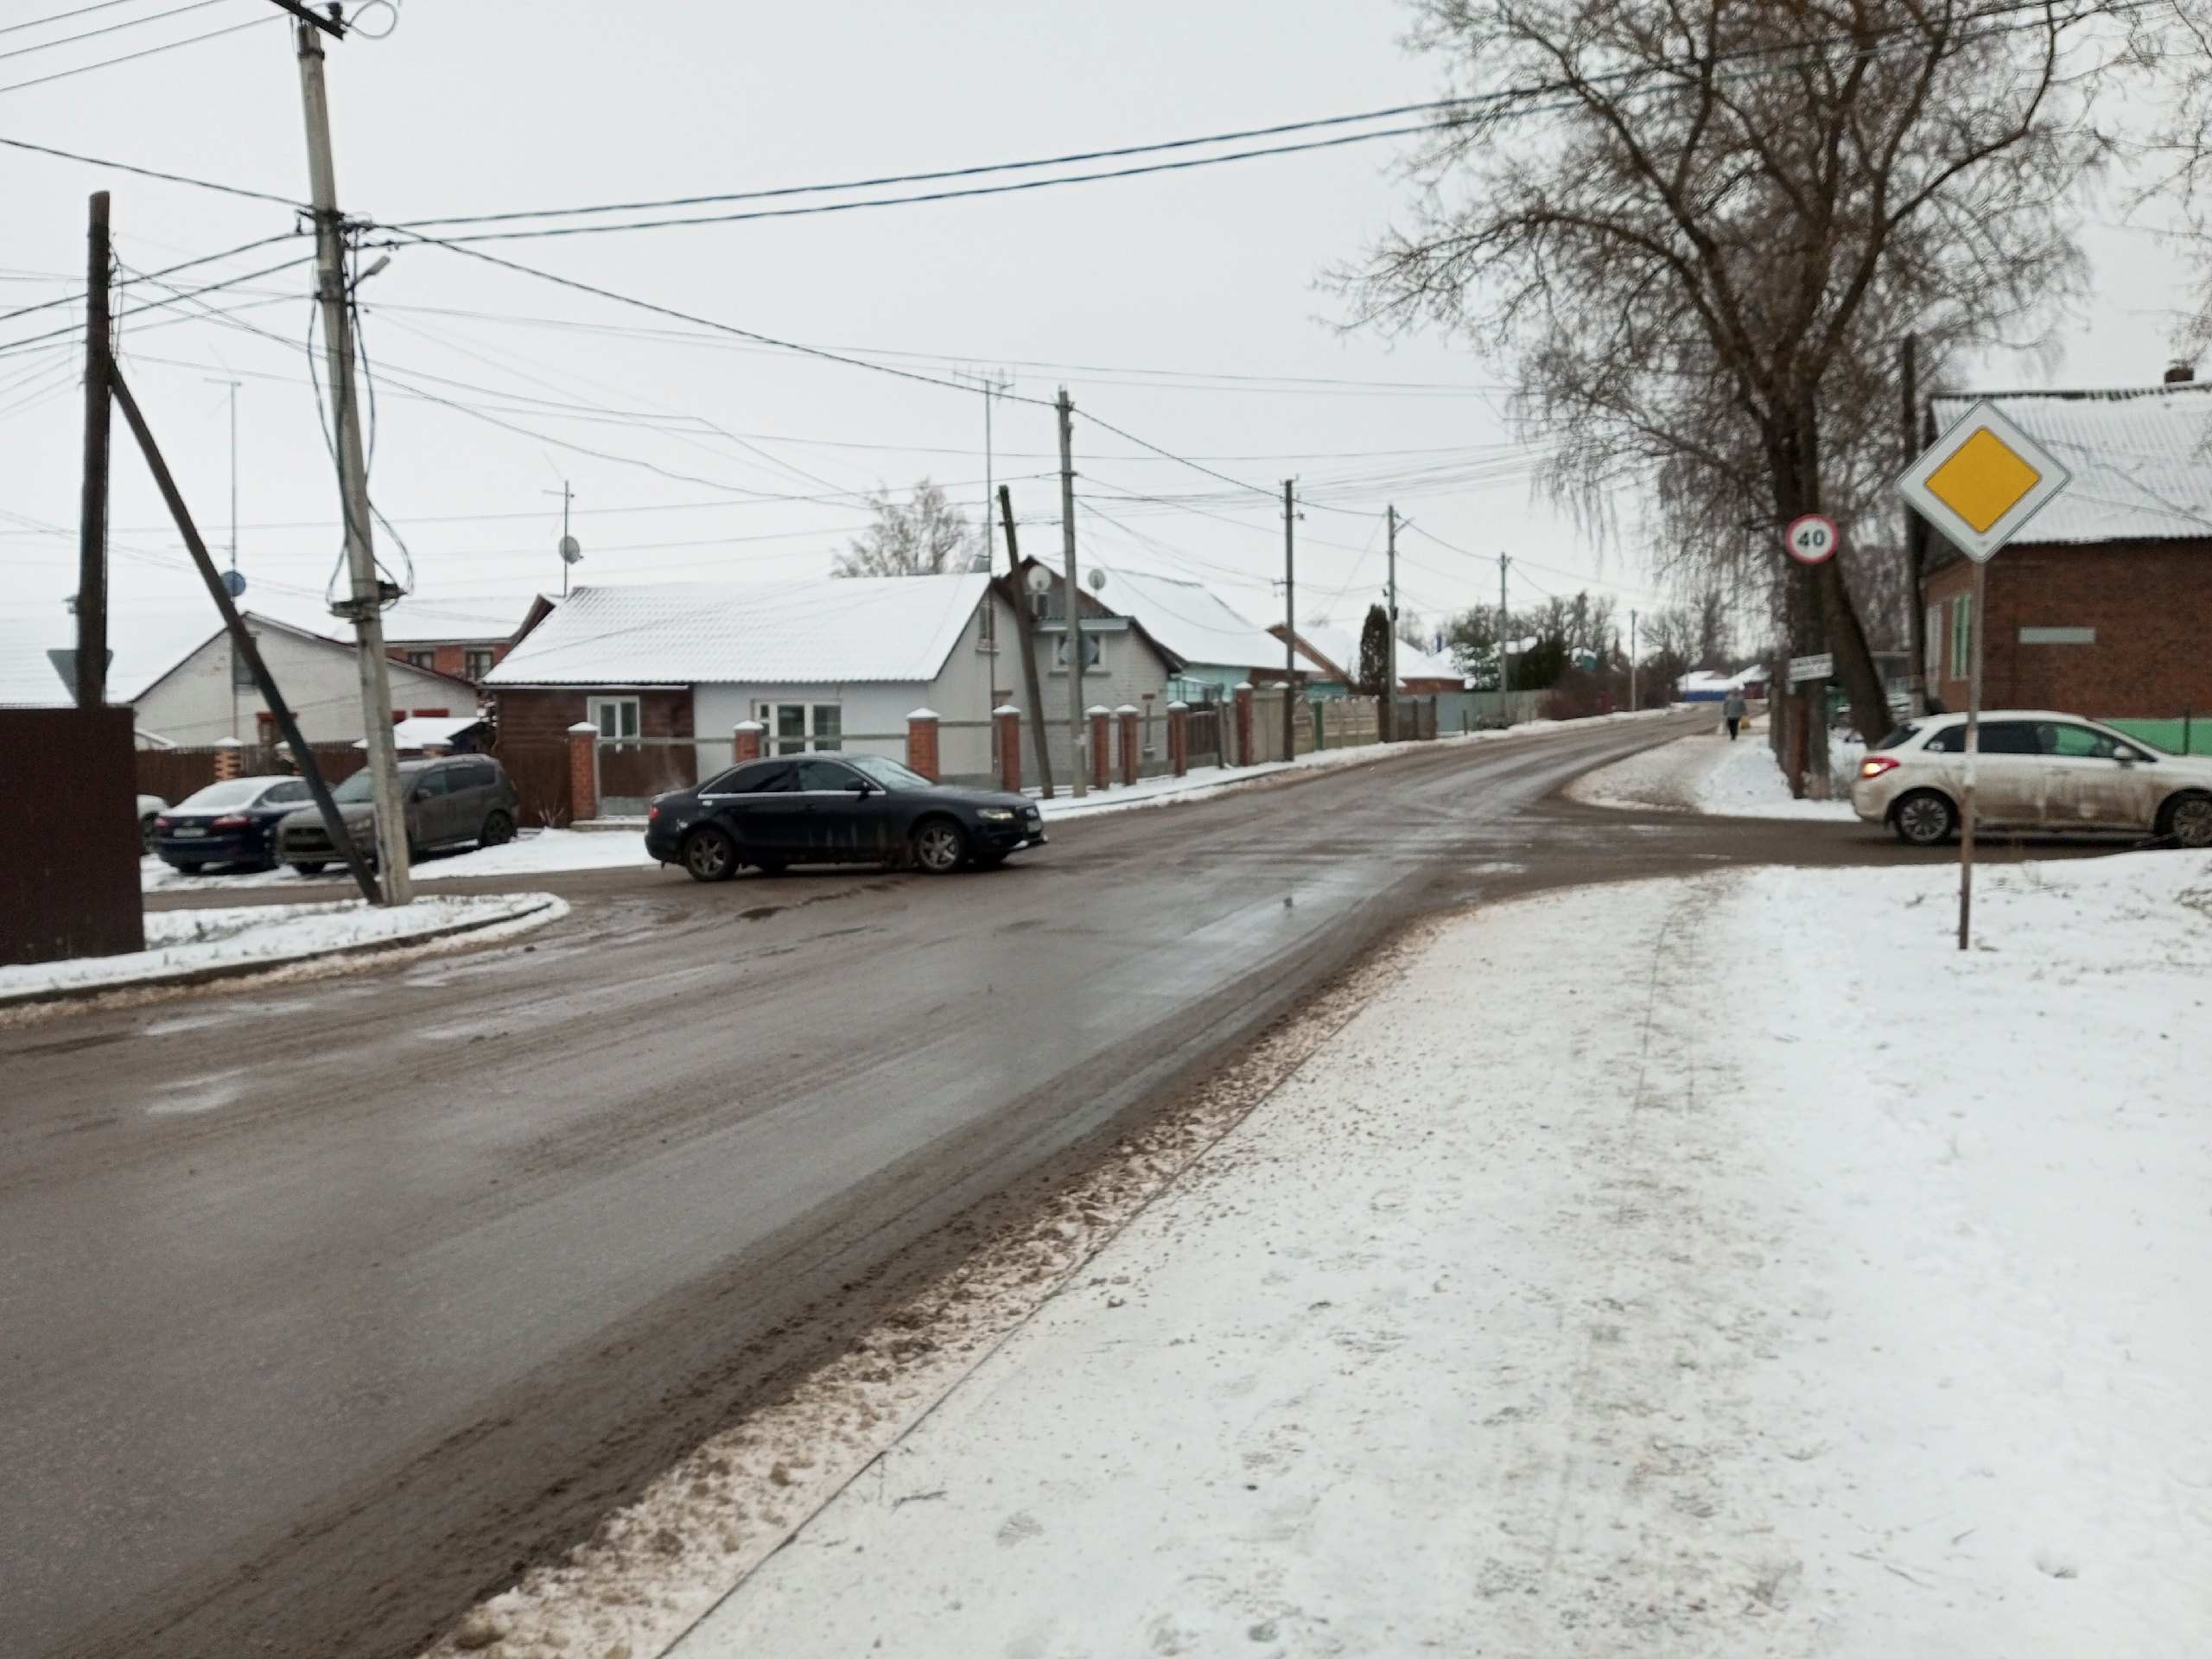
2181,374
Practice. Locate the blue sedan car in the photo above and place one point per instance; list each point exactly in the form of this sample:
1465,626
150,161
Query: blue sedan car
231,822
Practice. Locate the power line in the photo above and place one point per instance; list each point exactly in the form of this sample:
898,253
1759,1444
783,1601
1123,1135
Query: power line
110,29
63,16
150,172
78,298
129,57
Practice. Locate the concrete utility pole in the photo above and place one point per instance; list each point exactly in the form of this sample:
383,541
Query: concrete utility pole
1024,625
235,585
1915,534
365,608
1505,662
91,533
1290,621
1074,606
1390,651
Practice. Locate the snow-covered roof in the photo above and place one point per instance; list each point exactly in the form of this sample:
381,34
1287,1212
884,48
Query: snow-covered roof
827,630
1336,650
1187,619
427,731
2141,460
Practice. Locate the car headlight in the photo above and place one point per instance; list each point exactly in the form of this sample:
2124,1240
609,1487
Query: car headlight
995,814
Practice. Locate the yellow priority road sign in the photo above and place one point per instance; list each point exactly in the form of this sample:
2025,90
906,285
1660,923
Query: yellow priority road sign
1981,481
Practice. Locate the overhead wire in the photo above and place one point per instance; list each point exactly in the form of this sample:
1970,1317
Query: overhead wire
151,51
108,29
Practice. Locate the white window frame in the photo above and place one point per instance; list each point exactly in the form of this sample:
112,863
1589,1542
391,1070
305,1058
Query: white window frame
628,724
815,735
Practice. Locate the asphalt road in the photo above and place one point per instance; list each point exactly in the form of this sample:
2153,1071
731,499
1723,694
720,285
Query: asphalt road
328,1307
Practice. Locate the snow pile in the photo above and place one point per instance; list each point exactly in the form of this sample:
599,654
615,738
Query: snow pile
182,944
534,852
1774,1280
1712,775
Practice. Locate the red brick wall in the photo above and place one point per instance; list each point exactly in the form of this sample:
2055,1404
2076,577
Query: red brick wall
2151,603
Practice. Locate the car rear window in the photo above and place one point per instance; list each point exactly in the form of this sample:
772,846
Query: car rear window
232,791
1899,738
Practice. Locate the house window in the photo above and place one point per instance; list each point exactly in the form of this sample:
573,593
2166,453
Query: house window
1961,635
241,670
1931,645
423,659
797,727
475,663
1089,653
616,717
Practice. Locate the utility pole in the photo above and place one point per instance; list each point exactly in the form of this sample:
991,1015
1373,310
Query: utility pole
1290,621
1390,651
1024,625
1631,660
91,533
1074,606
1505,662
1978,630
1915,533
233,583
365,608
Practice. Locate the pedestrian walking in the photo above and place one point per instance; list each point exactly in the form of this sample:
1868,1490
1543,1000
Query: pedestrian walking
1733,711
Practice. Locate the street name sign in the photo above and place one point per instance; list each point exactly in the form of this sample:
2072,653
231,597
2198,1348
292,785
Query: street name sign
1811,539
1981,481
1821,667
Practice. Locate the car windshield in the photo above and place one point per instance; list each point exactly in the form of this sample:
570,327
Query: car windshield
232,791
358,787
889,773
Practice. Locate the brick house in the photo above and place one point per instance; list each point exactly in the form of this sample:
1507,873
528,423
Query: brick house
2104,606
462,642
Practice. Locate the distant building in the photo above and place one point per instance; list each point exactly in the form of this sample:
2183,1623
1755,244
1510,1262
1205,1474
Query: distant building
1334,654
462,641
2104,606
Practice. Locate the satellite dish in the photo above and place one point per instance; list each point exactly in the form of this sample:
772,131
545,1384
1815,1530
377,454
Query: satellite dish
234,584
1096,579
571,550
1039,579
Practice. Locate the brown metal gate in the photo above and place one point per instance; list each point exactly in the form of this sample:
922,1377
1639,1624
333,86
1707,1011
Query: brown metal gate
68,835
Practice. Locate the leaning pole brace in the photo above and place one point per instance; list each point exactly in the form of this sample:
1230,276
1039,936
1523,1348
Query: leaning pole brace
332,820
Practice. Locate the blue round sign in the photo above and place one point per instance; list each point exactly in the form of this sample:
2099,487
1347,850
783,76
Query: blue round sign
233,583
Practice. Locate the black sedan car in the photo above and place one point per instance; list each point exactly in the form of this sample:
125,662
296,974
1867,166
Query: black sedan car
844,809
234,822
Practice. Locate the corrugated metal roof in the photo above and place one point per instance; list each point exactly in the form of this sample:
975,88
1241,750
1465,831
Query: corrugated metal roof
825,630
2141,460
1190,621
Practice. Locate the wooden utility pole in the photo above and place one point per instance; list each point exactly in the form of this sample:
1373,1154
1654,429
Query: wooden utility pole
333,821
1915,533
1631,661
1390,604
92,532
1074,606
1024,625
365,608
1289,621
1505,662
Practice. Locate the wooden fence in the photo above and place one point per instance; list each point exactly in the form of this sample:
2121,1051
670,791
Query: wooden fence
175,774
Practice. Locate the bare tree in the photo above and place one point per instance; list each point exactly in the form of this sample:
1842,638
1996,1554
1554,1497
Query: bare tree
1695,229
924,536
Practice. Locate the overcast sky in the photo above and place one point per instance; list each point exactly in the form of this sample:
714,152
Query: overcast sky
1183,306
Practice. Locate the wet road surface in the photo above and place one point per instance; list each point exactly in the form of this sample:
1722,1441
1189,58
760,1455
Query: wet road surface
328,1307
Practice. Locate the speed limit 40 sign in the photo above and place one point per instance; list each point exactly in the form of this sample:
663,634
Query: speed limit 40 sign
1811,540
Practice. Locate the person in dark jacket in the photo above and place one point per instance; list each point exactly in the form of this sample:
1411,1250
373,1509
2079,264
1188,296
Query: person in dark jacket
1734,710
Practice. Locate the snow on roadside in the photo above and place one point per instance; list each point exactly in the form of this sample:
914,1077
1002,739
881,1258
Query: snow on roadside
185,941
1774,1280
534,852
1709,774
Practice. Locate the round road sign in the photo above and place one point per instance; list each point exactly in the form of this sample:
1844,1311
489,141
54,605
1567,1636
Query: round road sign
1811,540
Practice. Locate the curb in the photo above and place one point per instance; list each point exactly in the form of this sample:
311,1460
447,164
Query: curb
214,973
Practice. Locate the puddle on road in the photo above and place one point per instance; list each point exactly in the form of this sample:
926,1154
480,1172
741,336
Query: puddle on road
191,1096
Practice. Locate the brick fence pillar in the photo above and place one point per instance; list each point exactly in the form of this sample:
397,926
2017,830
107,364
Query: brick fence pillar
1102,768
1007,719
1178,738
1243,707
921,743
583,771
744,740
226,757
1126,718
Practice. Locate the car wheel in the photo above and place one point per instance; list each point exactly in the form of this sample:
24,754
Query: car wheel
709,854
2188,821
145,835
499,829
939,846
1924,818
309,866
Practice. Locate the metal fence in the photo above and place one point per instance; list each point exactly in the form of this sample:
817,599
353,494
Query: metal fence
68,835
175,774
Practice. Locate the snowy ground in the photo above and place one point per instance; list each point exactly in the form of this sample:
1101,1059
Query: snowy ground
1710,774
1712,1268
180,943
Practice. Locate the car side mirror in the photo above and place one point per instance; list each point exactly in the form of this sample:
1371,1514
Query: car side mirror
419,795
863,788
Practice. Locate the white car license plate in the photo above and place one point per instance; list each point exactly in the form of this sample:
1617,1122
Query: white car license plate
183,832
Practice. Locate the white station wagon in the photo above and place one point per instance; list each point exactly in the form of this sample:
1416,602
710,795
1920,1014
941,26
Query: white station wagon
2038,773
